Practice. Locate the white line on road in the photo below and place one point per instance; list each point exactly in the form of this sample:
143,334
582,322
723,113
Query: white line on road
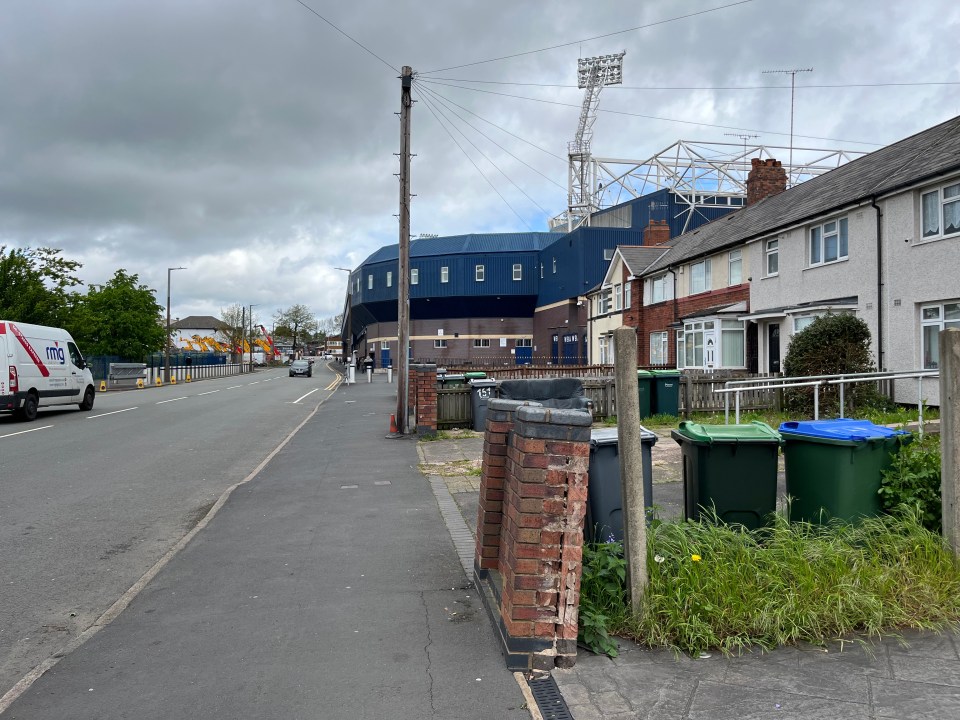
21,432
172,400
94,417
208,392
254,382
303,396
234,387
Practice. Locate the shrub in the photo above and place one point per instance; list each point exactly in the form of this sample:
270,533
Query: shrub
913,481
602,595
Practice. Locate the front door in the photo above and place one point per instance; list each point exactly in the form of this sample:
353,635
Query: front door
773,348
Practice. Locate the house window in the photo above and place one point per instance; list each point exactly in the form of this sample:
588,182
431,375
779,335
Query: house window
618,297
369,282
828,242
554,266
444,274
606,350
700,277
608,254
626,296
605,301
933,319
439,343
414,276
659,289
681,350
389,278
693,345
658,348
732,346
735,270
518,271
357,284
524,342
384,344
802,322
479,273
940,212
773,257
481,342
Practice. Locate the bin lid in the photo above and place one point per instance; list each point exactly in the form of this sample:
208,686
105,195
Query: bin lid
848,429
482,382
474,375
755,432
641,374
611,436
452,376
666,373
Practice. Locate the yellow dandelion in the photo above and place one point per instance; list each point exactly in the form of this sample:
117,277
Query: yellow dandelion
695,558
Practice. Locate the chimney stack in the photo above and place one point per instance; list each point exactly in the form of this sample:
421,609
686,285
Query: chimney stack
656,233
766,178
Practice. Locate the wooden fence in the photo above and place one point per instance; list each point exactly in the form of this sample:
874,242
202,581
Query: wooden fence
697,394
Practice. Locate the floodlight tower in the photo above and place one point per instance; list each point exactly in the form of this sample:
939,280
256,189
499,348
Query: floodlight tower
593,74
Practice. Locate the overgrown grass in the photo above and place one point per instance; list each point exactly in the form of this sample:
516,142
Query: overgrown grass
720,587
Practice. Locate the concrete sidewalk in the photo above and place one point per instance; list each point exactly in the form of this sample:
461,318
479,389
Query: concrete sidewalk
326,587
917,676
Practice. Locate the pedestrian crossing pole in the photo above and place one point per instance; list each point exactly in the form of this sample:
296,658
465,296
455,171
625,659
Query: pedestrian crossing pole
403,284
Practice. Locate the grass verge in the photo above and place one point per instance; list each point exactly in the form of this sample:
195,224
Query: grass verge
713,586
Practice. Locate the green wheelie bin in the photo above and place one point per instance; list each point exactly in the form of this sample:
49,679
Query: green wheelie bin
645,381
666,392
730,468
834,467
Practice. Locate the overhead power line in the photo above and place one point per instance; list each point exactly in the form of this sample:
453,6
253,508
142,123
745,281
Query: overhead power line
595,37
348,37
651,117
617,88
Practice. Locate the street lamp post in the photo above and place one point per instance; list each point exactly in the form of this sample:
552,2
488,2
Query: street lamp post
251,335
166,363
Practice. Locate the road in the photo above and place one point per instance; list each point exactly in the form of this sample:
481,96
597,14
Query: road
91,501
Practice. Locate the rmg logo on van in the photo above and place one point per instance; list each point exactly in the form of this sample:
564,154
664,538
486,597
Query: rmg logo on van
56,353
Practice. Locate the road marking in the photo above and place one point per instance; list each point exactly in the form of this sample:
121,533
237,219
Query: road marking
209,392
381,482
303,396
21,432
254,382
172,400
334,383
349,487
94,417
234,387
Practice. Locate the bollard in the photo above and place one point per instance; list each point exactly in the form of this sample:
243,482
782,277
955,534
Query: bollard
389,374
188,377
369,375
140,383
159,380
351,377
103,385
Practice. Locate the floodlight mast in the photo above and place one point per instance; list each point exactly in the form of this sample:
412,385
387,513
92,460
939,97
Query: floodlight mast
593,74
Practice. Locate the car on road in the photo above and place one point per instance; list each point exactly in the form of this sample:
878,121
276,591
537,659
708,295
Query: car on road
301,367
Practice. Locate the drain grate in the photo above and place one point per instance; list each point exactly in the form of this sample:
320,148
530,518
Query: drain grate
549,700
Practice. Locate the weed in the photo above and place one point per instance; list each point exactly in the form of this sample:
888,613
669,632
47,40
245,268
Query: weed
913,480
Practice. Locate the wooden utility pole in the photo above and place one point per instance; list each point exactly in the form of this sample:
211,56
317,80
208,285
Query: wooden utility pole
949,442
403,279
631,462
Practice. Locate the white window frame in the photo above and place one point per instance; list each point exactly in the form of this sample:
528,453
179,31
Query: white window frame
517,271
618,297
627,295
444,274
481,342
735,261
704,273
819,239
414,276
439,343
802,322
389,278
479,272
729,328
605,345
370,282
659,351
945,198
605,301
608,254
681,350
658,289
936,323
771,252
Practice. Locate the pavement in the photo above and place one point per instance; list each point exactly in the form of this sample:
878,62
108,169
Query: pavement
333,583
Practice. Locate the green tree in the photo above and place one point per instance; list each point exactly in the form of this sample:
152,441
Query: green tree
831,345
298,319
35,286
235,326
121,317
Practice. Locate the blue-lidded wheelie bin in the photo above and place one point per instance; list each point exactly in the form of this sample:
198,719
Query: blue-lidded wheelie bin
604,522
834,467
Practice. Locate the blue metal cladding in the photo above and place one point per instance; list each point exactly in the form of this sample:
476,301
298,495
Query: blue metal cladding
663,205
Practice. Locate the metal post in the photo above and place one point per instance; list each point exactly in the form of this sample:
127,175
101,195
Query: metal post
816,401
842,386
250,338
920,405
166,363
736,417
726,408
403,279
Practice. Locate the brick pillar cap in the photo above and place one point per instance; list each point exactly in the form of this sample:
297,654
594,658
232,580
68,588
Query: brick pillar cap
577,418
509,405
424,367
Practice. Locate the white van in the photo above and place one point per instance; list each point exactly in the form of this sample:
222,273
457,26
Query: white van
41,366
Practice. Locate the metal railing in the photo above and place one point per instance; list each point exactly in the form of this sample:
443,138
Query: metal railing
736,387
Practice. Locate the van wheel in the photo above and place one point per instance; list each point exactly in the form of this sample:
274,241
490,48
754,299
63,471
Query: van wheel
87,403
28,412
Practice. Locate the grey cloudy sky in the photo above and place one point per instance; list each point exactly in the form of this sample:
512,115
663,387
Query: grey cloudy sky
251,142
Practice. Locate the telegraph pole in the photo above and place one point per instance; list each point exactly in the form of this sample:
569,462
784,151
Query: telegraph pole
403,274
